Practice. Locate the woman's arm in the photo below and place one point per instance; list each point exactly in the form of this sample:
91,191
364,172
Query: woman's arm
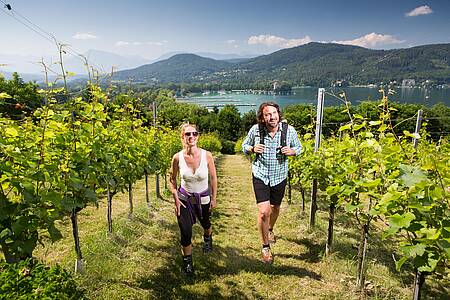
212,178
173,184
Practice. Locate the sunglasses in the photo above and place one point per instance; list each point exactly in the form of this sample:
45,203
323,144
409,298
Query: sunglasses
188,134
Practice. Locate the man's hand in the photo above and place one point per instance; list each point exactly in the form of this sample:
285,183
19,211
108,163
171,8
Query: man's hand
258,148
287,151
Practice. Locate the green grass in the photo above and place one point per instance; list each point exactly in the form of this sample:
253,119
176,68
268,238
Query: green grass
142,259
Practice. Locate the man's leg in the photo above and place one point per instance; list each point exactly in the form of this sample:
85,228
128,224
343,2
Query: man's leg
274,212
276,196
262,193
263,226
264,221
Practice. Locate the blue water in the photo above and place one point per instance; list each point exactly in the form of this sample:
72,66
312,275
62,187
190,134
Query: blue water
308,95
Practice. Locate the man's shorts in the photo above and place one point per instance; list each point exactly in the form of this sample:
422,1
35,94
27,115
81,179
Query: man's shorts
264,192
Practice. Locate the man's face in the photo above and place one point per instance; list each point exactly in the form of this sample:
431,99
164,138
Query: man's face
271,117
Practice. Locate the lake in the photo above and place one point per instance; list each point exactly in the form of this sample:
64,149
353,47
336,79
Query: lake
308,95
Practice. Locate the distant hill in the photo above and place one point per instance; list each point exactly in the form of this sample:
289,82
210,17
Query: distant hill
217,56
103,61
310,64
24,76
178,68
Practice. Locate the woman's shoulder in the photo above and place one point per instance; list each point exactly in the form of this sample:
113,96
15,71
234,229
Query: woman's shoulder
176,156
206,152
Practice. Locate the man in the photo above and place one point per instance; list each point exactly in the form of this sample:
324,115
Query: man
270,168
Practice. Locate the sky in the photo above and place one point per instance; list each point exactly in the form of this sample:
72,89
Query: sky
152,28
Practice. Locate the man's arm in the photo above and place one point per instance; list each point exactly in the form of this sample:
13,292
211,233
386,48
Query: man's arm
295,142
295,147
249,141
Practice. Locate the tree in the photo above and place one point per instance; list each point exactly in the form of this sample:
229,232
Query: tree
248,120
18,98
230,123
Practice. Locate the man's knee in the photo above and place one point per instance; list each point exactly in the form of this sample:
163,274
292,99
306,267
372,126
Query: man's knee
264,211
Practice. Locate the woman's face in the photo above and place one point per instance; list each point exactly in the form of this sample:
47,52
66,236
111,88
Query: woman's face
190,136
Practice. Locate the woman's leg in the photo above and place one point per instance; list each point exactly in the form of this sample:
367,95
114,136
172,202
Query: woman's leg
207,228
185,224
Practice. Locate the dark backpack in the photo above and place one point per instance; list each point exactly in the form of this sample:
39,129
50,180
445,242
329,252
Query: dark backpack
262,132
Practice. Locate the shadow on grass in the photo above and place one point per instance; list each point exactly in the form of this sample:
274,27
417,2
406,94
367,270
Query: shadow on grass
170,282
219,271
380,251
315,250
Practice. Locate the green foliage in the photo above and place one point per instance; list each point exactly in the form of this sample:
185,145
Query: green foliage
67,157
230,123
172,114
371,171
168,143
248,120
228,147
300,116
238,145
17,98
30,279
210,142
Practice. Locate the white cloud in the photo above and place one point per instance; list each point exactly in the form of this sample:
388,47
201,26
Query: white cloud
230,42
372,40
160,43
138,43
276,41
122,43
421,10
84,36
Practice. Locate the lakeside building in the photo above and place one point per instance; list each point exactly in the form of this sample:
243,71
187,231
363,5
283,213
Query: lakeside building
408,82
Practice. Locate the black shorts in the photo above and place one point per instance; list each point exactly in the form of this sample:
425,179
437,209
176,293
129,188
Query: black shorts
264,192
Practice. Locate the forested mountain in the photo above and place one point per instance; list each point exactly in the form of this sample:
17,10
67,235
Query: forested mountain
178,68
310,64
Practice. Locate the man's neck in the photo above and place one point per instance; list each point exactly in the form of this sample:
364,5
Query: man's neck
272,129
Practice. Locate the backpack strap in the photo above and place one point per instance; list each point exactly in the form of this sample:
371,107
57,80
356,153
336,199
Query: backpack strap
284,128
261,133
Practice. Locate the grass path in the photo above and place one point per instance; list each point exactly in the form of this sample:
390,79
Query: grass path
142,259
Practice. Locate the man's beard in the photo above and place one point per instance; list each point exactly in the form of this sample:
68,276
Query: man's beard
270,126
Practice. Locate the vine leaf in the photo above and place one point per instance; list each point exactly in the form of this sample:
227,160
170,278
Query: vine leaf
411,176
445,246
398,221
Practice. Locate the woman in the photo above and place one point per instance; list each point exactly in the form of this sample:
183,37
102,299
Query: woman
193,198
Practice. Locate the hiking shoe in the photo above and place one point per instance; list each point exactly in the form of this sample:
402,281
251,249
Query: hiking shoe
207,246
267,256
188,267
272,238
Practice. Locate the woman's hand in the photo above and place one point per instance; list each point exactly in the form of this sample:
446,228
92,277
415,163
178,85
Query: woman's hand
213,204
178,205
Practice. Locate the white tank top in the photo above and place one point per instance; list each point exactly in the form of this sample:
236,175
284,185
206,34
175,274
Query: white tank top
194,182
